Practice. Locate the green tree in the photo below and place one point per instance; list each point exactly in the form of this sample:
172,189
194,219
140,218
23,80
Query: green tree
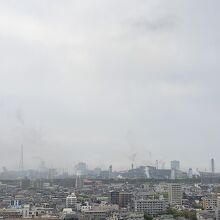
147,216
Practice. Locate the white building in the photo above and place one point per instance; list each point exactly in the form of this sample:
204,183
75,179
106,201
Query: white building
26,211
85,208
71,201
175,194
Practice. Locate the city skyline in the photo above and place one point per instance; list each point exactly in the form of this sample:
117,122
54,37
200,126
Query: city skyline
134,162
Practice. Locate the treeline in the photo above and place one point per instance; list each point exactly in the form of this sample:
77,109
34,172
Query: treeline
188,214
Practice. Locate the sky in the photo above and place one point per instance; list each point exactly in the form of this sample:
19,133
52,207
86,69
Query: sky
101,81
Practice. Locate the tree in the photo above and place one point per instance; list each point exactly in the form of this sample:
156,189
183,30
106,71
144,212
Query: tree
147,216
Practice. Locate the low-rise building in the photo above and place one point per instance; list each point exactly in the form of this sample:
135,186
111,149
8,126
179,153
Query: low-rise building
151,206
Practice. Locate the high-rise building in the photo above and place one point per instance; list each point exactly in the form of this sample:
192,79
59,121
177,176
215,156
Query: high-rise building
190,173
175,165
114,197
81,168
71,201
175,194
124,199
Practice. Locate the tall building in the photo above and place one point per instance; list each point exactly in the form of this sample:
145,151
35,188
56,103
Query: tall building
175,194
78,182
217,210
190,173
114,197
71,201
212,165
175,165
81,168
123,199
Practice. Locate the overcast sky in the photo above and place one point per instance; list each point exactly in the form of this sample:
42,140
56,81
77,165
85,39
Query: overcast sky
99,81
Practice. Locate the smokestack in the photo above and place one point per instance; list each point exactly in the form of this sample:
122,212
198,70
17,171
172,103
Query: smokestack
212,165
21,163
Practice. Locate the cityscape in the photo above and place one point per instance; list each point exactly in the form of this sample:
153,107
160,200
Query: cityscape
109,110
154,170
142,192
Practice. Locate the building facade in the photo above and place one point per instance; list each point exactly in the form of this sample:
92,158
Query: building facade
71,201
151,206
175,194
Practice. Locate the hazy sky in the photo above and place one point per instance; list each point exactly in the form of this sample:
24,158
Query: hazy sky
100,80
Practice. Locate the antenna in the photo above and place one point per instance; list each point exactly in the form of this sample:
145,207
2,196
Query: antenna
21,163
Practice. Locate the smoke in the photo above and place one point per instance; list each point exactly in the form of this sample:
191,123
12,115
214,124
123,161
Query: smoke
30,133
131,139
165,23
19,116
1,102
35,135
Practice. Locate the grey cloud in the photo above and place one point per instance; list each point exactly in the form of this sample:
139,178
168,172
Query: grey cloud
20,117
163,24
100,81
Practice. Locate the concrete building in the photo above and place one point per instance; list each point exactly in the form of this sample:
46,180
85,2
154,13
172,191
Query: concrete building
26,211
96,214
68,214
175,194
210,202
10,213
114,197
190,173
151,206
85,207
217,214
71,201
124,199
205,215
